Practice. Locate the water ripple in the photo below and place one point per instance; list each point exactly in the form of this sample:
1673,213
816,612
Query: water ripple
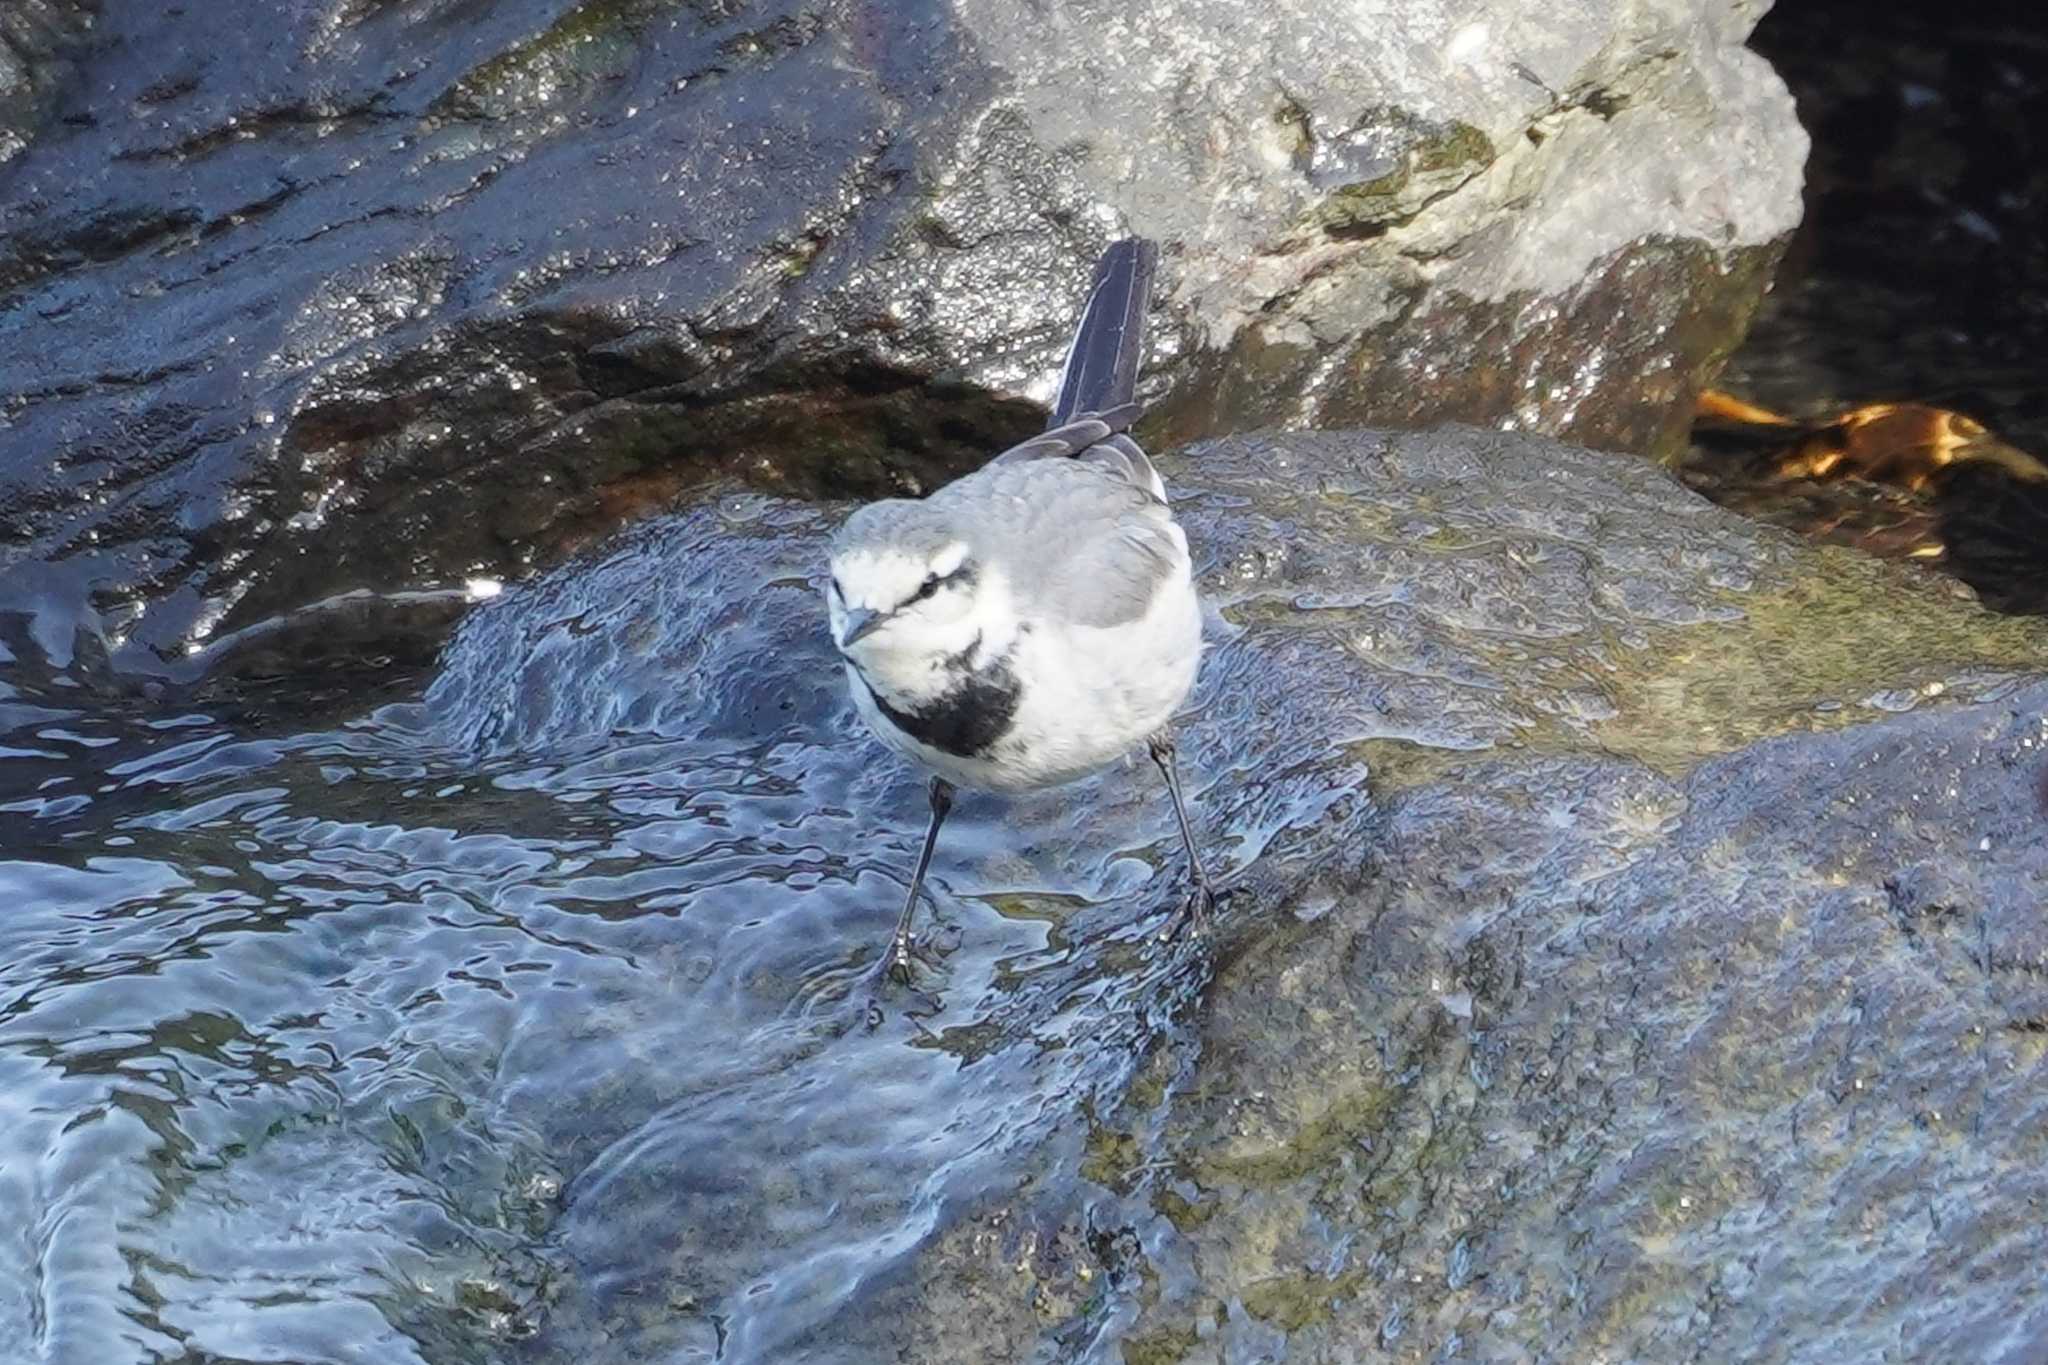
468,1024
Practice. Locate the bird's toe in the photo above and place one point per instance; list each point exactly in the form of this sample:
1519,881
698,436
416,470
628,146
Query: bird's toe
1193,916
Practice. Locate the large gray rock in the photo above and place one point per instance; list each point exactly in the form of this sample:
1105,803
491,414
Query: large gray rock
1596,1062
363,295
1637,952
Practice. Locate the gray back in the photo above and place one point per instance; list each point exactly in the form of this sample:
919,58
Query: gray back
1081,541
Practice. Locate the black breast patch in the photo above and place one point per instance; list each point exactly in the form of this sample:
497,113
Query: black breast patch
965,719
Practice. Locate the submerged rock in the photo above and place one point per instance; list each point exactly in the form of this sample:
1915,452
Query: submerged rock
1899,479
376,296
1636,951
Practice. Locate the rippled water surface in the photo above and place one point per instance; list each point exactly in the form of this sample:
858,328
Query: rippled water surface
442,1033
519,1015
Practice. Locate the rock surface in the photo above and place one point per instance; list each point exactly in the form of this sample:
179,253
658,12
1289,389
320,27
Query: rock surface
37,38
1638,952
370,295
1602,1064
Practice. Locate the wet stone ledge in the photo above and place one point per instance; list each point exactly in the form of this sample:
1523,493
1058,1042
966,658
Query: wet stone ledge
1636,951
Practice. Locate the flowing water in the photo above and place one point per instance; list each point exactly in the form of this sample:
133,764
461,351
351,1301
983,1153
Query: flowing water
534,1012
522,1017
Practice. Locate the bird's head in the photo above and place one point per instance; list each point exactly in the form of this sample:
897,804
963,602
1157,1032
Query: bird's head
906,589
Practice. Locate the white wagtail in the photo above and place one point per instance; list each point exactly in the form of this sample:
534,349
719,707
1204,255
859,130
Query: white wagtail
1036,620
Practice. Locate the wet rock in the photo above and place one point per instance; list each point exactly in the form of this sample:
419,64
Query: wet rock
37,41
1601,1062
1636,950
380,296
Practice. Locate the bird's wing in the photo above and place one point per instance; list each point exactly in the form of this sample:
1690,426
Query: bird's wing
1084,544
1079,514
1096,440
1114,577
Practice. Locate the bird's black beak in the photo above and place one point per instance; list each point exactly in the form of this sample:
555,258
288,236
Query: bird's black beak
861,622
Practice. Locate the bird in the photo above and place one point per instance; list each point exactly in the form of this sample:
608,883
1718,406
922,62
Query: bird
1036,620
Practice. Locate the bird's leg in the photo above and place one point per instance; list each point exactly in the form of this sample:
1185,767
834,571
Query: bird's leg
1200,896
897,961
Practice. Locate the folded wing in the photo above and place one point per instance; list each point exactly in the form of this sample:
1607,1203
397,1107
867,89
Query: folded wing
1081,507
1088,541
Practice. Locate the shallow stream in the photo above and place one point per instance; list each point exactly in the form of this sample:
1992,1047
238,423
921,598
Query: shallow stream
403,1037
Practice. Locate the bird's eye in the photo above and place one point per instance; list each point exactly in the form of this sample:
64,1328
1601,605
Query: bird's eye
927,588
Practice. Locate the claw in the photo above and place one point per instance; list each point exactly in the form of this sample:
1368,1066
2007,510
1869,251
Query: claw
899,963
896,963
893,979
1195,913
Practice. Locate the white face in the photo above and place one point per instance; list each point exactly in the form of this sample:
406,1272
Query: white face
921,605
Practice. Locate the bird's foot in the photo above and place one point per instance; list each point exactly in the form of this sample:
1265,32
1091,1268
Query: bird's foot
896,971
1196,914
898,962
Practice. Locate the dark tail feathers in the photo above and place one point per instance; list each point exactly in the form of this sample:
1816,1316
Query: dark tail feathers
1109,344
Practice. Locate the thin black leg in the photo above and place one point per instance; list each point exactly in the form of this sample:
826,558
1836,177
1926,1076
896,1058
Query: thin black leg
897,962
1200,896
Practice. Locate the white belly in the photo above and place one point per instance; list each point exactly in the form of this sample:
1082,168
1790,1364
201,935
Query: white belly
1094,696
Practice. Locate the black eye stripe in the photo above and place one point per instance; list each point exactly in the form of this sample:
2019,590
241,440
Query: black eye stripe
933,582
